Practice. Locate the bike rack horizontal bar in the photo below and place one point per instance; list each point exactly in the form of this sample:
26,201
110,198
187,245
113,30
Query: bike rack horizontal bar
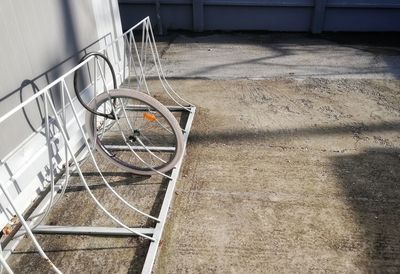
90,230
139,148
144,108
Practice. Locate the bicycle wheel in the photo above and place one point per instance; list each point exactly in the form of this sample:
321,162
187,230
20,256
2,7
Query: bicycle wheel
76,80
144,138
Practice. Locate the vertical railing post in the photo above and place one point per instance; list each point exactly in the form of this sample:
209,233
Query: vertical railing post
318,16
198,15
158,14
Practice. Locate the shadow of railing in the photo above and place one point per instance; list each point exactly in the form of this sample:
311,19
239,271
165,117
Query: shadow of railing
371,182
263,135
288,54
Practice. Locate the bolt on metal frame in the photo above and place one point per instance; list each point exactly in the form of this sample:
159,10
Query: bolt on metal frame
134,60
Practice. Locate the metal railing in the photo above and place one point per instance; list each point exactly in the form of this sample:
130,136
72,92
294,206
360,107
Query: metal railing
131,61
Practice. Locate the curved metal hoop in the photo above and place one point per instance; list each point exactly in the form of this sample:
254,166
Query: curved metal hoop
77,93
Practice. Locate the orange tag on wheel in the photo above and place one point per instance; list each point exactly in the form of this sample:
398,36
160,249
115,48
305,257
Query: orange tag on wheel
150,117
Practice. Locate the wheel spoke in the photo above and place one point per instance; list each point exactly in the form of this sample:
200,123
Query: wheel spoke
137,130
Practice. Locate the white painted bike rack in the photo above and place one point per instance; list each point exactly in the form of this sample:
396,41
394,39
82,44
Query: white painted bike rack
135,60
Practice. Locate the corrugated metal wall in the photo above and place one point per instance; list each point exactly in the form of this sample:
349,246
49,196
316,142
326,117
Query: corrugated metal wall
40,40
272,15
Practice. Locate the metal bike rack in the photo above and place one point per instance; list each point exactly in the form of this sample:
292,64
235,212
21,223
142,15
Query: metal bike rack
135,60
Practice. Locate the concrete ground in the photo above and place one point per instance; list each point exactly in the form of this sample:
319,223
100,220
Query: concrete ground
288,176
293,164
297,173
260,56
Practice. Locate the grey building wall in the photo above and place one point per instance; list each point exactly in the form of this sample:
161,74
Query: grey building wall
40,41
272,15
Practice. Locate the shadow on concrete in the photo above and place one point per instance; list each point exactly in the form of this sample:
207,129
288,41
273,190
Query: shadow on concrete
381,50
378,39
371,182
57,250
249,135
129,179
138,261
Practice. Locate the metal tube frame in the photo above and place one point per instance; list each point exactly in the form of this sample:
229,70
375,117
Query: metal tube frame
131,58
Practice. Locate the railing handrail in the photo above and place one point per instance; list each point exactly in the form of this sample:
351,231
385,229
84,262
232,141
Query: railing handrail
43,90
